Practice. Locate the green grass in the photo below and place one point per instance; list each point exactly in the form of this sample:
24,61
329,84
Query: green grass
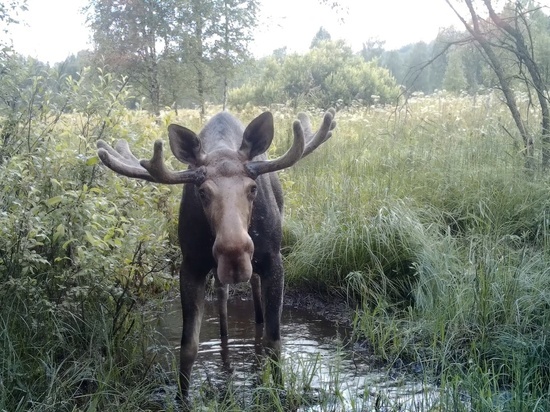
422,218
427,221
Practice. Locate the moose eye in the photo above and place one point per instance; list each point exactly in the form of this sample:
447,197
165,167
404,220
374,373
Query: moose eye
203,194
253,190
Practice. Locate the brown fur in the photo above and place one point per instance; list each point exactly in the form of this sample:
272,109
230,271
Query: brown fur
230,216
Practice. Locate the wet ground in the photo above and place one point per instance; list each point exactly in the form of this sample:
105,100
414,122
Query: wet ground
317,358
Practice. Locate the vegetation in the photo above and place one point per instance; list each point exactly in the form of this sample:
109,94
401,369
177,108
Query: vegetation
428,228
507,36
78,258
164,46
420,216
419,213
329,75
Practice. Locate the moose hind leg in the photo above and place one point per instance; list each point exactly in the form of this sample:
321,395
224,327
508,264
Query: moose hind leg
221,293
256,287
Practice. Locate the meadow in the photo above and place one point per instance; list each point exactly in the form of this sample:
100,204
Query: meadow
425,219
420,216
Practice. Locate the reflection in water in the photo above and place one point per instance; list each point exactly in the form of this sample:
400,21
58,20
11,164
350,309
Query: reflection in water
312,351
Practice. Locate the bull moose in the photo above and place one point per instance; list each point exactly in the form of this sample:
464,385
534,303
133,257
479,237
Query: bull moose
230,217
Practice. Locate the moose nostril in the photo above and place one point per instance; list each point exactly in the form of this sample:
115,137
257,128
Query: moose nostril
233,246
234,260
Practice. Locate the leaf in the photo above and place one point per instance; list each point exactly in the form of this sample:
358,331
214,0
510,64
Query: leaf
59,231
52,201
67,243
90,238
92,161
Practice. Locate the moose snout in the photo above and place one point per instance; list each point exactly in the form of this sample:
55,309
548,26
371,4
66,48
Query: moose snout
234,258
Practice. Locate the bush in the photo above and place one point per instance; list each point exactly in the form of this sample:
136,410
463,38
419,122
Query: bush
329,75
79,251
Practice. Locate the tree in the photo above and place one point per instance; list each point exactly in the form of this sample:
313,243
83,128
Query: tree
194,25
212,37
74,64
454,79
393,61
328,75
175,76
237,20
417,78
540,24
476,71
8,16
440,56
166,45
322,35
508,37
372,49
128,35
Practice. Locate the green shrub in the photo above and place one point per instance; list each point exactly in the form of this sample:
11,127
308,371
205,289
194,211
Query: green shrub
80,251
328,75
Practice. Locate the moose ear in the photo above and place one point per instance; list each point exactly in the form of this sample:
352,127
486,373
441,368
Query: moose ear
258,136
185,145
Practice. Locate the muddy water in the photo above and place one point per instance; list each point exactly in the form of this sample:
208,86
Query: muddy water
336,375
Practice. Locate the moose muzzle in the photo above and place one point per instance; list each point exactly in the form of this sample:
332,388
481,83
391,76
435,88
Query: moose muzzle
233,255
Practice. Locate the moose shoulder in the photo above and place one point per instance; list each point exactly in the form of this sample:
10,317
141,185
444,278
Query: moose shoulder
230,214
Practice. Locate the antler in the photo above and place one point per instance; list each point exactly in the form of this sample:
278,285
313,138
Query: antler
122,161
258,167
305,142
313,141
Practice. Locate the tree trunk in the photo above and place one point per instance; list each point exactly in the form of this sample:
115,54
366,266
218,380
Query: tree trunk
523,54
494,61
155,89
225,92
200,89
199,56
152,75
226,51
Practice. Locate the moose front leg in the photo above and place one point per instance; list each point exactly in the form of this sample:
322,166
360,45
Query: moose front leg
192,288
272,284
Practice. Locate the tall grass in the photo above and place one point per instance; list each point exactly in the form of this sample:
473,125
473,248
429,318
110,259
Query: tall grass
425,219
422,217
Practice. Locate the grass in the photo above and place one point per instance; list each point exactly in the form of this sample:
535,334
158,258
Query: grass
422,218
45,369
426,220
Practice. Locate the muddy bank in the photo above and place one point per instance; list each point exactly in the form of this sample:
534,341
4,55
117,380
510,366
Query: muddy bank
332,309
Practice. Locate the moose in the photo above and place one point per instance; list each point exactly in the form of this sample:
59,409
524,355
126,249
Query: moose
230,218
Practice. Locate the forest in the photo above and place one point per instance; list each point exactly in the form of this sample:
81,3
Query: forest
427,213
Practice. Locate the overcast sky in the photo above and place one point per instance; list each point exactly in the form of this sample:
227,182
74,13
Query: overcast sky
55,29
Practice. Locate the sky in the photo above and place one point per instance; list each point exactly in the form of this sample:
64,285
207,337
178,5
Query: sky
54,29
